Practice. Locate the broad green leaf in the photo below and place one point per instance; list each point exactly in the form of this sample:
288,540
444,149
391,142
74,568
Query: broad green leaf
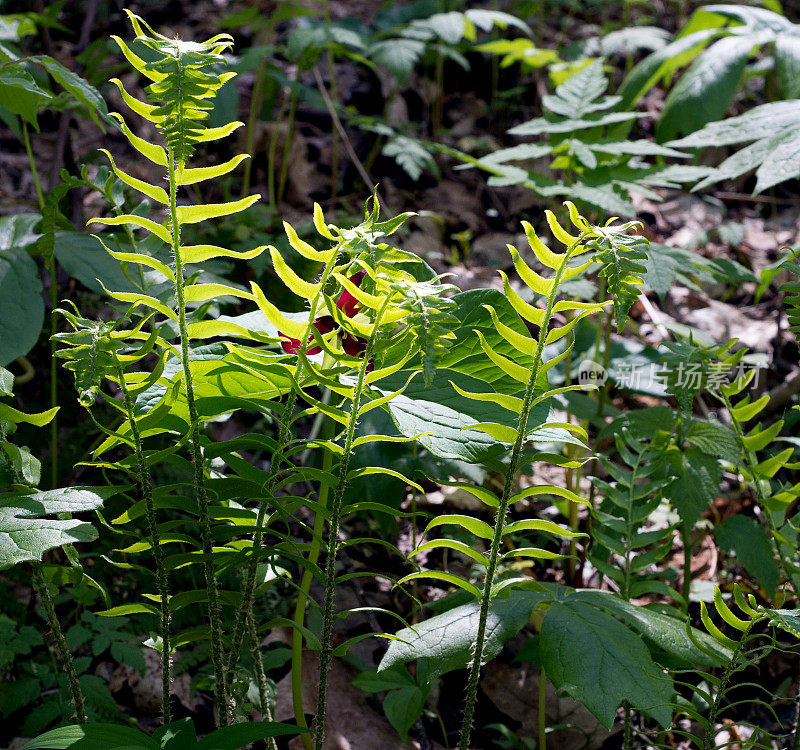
440,411
398,56
21,304
447,640
748,539
93,737
601,663
787,63
403,707
80,89
698,475
782,161
741,161
487,19
762,121
715,439
540,125
705,91
27,529
20,94
662,630
663,61
238,735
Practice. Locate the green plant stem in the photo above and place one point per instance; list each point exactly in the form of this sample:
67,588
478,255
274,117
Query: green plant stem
303,597
627,742
630,530
261,676
285,419
50,264
326,650
158,553
256,101
40,584
796,734
730,668
271,151
32,162
542,718
287,143
686,536
502,510
214,613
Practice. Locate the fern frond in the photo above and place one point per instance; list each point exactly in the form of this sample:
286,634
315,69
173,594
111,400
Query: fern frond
184,84
622,257
792,291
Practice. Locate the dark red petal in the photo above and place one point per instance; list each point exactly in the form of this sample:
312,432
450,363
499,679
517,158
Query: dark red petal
357,278
290,345
347,302
353,345
325,324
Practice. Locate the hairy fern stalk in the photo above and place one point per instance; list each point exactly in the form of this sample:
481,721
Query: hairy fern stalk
184,82
368,318
96,352
619,254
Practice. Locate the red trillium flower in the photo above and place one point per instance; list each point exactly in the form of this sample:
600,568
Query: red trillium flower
349,305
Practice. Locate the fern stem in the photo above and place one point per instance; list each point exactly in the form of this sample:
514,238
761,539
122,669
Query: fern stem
214,612
278,458
627,742
158,553
50,264
686,586
502,510
248,587
326,650
261,676
256,100
287,143
730,668
40,584
796,733
32,162
542,718
302,600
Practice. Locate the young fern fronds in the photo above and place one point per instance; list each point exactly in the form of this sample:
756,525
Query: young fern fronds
279,456
627,502
357,332
742,623
333,531
184,83
602,241
623,268
94,355
759,474
792,291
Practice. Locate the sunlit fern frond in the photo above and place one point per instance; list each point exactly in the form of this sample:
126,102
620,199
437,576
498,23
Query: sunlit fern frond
185,78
